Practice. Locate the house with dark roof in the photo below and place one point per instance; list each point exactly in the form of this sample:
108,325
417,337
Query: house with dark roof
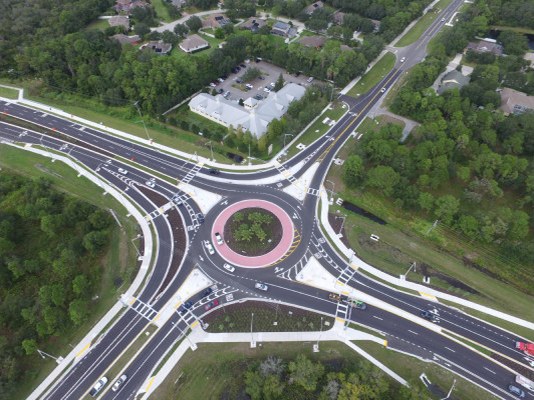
193,43
312,41
515,102
281,28
120,20
253,24
313,7
452,80
486,46
158,47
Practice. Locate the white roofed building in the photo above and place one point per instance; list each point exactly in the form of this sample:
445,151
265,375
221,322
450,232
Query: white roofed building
254,116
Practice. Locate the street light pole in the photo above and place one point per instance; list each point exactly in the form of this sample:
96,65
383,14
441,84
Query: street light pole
450,390
252,342
136,104
320,332
285,135
414,266
211,148
44,355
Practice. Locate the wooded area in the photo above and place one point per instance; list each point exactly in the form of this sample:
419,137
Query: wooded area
50,246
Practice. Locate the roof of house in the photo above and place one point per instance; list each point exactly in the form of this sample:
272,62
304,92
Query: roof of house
254,120
119,20
158,46
312,41
215,20
123,39
282,26
338,16
193,42
253,23
514,102
485,46
453,80
530,58
312,7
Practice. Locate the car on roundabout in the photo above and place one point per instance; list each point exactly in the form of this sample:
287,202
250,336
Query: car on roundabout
219,238
261,286
229,267
209,247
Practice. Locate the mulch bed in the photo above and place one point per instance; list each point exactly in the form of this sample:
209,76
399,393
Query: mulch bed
253,247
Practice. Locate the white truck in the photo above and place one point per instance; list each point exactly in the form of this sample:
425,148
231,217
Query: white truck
526,383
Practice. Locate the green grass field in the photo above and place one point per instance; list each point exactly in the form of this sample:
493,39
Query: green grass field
375,75
161,10
424,22
119,262
8,93
98,24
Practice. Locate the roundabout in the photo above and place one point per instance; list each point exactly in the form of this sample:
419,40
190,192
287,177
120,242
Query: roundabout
240,258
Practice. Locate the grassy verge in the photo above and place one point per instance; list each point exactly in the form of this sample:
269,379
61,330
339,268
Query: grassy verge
267,318
318,128
410,368
404,240
161,10
119,262
375,75
424,22
517,29
223,365
9,93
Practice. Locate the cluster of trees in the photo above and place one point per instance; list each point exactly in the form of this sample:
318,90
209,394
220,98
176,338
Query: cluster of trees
304,379
512,13
49,246
251,226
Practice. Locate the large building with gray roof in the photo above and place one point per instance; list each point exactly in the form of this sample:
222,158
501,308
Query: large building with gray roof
255,116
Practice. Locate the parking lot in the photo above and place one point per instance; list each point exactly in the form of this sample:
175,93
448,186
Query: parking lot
270,74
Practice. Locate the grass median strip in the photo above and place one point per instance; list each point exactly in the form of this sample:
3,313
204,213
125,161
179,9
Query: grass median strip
8,93
375,75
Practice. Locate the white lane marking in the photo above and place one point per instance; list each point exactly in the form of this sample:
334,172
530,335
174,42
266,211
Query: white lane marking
450,349
381,319
415,333
493,372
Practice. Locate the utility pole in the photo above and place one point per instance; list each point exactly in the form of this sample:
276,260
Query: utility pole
211,148
316,347
286,135
44,355
252,342
136,104
436,222
414,266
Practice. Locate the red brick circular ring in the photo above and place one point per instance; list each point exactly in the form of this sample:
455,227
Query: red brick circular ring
258,261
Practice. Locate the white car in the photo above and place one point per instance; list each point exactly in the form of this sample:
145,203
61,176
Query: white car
249,86
151,184
442,19
266,89
261,286
229,267
382,90
218,238
122,171
209,247
403,59
98,386
119,383
310,79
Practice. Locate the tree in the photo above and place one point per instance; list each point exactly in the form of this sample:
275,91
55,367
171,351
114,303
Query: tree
29,346
383,178
219,33
446,208
514,43
251,74
194,23
272,387
305,373
254,384
181,30
279,83
353,170
141,29
78,311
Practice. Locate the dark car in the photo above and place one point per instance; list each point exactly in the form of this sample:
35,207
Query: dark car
207,292
214,171
234,70
429,315
200,218
242,65
220,90
188,304
211,304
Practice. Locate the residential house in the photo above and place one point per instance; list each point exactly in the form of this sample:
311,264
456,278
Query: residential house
158,47
312,41
178,3
255,116
120,20
452,80
126,6
376,25
515,102
253,24
313,7
281,28
193,43
337,17
486,46
530,58
215,21
123,39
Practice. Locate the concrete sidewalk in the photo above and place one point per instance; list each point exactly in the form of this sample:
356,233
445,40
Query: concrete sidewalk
336,333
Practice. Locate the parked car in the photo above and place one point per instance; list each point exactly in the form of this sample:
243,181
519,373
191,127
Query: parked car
249,86
122,171
218,238
98,386
258,97
262,78
221,80
266,89
229,267
209,247
242,65
272,85
226,94
118,383
261,286
220,90
310,79
239,80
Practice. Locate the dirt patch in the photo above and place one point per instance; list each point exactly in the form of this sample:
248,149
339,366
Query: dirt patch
521,369
339,227
272,227
426,270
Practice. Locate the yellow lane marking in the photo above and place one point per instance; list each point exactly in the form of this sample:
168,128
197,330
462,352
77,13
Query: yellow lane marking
79,354
194,324
150,382
429,296
133,300
385,343
340,320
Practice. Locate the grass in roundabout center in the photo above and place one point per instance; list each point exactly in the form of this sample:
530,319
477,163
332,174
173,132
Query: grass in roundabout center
253,232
